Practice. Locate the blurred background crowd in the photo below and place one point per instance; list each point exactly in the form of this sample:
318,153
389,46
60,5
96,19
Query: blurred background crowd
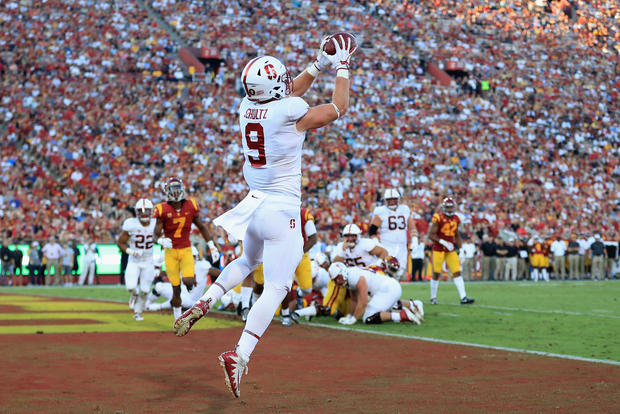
96,110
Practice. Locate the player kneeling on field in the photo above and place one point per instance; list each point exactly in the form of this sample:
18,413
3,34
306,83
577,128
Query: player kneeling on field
372,296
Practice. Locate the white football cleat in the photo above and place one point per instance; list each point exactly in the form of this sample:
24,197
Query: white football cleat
138,317
417,308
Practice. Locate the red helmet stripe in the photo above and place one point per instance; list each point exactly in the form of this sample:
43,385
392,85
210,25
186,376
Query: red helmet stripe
245,74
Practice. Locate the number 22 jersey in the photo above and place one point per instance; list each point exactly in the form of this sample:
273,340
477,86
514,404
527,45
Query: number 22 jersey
272,145
140,238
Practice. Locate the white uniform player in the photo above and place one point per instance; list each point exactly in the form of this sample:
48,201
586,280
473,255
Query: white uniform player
188,298
136,240
393,221
358,251
273,120
374,295
320,278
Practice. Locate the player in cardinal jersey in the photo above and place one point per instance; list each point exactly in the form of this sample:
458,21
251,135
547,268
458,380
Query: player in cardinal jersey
373,295
358,251
537,259
393,221
175,218
273,121
136,239
446,239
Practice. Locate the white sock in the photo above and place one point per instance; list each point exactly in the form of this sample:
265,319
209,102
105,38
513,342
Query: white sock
434,286
396,316
259,318
177,312
246,295
460,286
307,311
535,275
285,312
140,303
233,274
545,275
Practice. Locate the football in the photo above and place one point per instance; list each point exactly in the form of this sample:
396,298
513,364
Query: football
329,47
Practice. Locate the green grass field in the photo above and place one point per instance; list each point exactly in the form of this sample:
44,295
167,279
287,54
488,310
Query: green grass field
580,319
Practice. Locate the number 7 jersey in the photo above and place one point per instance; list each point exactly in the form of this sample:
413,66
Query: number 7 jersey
272,145
177,224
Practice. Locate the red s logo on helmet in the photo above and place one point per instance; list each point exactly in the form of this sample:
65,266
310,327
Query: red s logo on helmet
271,71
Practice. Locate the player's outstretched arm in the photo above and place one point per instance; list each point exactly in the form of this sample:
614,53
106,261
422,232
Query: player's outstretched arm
322,115
305,79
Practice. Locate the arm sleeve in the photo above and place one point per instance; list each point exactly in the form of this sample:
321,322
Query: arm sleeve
297,108
310,228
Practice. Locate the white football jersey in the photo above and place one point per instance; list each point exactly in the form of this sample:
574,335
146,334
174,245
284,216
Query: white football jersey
320,277
393,228
272,145
201,271
376,281
140,238
360,254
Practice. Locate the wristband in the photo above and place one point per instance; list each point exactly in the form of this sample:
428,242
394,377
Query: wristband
211,245
312,70
337,110
342,73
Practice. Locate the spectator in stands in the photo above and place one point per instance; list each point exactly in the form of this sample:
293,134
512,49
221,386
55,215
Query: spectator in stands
558,250
53,251
35,267
598,254
573,258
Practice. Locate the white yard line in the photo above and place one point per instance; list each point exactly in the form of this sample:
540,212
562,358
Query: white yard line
443,341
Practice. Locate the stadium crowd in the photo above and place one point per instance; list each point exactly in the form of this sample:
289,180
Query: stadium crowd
525,139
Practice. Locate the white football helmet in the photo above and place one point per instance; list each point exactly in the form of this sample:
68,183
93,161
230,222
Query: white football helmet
349,231
321,258
336,269
144,210
391,197
265,78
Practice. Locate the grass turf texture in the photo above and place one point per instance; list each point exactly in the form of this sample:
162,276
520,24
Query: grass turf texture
571,318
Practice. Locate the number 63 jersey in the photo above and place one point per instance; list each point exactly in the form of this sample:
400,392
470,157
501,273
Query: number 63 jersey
272,145
140,238
393,228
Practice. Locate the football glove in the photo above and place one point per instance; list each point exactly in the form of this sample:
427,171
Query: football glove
342,57
215,255
347,320
449,246
132,252
165,242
